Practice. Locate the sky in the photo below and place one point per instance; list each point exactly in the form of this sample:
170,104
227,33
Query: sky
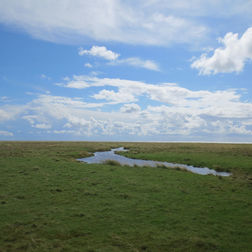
113,70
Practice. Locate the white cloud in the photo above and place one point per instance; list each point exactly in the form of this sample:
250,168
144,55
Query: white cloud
137,62
37,121
72,132
158,22
42,126
177,111
116,97
88,65
181,111
100,51
5,99
79,117
10,112
127,91
199,8
130,108
103,52
79,84
66,78
230,58
43,76
66,101
5,133
169,93
103,20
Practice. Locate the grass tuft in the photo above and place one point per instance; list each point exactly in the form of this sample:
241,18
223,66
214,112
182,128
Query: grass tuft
112,162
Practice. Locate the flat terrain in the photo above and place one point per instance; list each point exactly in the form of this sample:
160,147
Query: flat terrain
51,202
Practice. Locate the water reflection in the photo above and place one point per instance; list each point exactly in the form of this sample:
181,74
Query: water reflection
101,157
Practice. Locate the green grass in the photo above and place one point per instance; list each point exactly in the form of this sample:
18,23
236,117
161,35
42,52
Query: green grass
51,202
235,158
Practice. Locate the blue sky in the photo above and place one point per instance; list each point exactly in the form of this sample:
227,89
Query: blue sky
113,70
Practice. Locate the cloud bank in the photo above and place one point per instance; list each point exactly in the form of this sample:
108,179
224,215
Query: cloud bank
117,109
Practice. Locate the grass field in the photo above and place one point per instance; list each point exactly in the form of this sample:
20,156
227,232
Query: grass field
51,202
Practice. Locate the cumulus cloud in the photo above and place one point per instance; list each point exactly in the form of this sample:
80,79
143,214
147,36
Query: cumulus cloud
130,108
116,97
77,116
229,58
10,112
103,52
100,51
181,110
38,122
128,91
146,109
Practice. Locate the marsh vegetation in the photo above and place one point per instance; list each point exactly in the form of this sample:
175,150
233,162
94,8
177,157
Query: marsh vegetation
112,157
51,202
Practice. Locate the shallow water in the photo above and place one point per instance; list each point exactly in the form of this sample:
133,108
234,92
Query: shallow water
101,157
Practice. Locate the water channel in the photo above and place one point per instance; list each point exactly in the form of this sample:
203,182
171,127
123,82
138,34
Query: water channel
102,156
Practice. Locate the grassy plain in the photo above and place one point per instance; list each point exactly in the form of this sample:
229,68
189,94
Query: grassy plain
51,202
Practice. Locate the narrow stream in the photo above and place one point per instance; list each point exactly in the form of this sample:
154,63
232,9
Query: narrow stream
101,157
